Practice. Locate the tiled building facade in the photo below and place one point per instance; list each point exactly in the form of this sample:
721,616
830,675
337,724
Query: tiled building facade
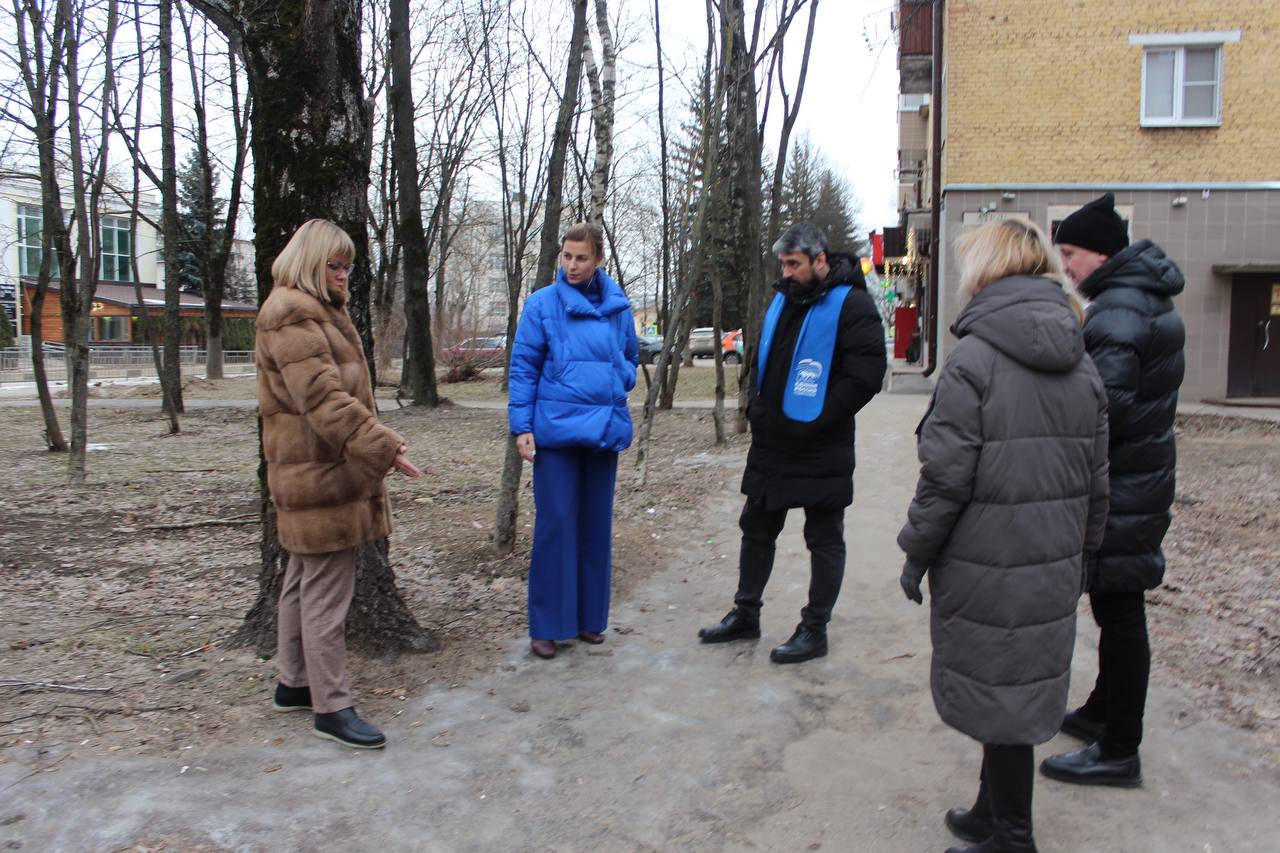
1171,106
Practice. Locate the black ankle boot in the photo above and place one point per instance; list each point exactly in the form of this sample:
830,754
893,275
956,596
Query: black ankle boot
736,625
973,824
1009,773
805,644
348,729
291,698
1079,726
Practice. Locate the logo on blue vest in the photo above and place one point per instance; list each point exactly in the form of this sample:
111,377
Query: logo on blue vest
808,371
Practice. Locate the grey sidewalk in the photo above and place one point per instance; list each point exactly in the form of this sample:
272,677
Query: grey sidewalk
654,742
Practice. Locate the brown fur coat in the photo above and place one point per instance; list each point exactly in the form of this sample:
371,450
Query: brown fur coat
326,453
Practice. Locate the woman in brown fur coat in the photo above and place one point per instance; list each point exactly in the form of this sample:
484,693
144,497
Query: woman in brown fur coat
327,456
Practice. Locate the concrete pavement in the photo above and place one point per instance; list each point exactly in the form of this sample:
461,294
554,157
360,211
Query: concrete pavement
655,742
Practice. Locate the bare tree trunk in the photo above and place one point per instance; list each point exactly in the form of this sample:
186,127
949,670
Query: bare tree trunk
508,510
145,320
171,229
421,368
150,334
310,153
41,54
603,88
661,307
77,293
756,295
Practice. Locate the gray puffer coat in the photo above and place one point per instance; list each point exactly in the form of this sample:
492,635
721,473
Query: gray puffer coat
1012,493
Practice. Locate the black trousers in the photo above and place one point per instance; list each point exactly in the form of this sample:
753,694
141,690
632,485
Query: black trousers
1005,788
1119,696
824,536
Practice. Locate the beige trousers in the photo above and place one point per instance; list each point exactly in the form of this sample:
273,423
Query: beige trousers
311,624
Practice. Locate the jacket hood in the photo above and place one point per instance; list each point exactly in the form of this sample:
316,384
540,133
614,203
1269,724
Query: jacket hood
577,304
845,269
1029,319
1143,265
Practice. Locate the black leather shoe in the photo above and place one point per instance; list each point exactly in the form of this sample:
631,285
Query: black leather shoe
291,698
348,729
1088,767
736,625
969,824
805,644
1081,727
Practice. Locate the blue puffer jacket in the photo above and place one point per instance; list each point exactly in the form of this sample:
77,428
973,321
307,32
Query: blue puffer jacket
572,366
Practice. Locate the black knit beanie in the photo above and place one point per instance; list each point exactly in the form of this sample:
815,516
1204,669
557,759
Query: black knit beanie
1096,227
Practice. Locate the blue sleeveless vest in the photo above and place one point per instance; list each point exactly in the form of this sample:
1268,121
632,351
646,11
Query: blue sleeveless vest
806,389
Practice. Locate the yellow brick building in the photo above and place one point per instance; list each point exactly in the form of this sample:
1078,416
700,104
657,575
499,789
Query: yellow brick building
1052,92
1170,105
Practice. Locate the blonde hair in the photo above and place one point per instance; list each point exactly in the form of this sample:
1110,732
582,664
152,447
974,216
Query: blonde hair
301,263
1010,247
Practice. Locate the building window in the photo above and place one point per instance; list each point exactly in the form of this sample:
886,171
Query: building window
117,249
111,328
1182,78
30,224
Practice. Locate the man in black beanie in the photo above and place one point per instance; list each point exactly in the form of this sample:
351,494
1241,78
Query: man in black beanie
1135,337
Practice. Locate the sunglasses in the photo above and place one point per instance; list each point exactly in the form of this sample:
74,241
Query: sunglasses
334,266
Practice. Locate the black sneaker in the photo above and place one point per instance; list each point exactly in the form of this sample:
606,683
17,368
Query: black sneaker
736,625
805,644
348,729
291,698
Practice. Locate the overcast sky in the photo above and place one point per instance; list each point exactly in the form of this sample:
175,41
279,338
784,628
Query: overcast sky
850,98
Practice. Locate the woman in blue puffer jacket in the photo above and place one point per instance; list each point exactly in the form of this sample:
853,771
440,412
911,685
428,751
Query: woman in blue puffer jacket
573,362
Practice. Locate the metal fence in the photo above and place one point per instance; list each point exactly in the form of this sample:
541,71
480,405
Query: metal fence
114,363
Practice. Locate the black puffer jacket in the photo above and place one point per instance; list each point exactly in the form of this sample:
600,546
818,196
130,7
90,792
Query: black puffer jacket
1135,337
794,463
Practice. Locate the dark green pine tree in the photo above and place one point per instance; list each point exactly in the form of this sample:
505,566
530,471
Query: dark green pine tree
193,214
813,192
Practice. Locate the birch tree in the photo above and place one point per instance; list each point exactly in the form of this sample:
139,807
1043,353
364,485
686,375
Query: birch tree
508,509
603,85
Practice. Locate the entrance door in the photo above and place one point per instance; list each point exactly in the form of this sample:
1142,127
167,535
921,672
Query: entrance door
1253,361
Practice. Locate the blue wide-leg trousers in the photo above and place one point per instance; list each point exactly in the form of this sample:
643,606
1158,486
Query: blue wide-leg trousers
571,565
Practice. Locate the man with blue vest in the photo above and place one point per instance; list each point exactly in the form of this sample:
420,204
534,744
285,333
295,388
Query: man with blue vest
821,359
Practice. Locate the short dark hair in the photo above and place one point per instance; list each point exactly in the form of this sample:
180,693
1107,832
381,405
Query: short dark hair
802,237
585,232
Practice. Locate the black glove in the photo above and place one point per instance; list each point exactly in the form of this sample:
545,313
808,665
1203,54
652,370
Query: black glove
912,573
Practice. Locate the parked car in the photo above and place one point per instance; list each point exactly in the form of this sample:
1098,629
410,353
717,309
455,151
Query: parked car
702,342
731,344
478,352
650,346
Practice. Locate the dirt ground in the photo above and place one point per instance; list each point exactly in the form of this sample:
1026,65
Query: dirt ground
115,628
1215,623
115,624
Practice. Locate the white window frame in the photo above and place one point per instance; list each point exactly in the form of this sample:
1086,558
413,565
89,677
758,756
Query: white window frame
1177,43
119,225
25,212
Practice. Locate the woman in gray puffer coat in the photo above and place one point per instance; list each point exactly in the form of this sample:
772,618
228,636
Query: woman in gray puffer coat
1012,495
